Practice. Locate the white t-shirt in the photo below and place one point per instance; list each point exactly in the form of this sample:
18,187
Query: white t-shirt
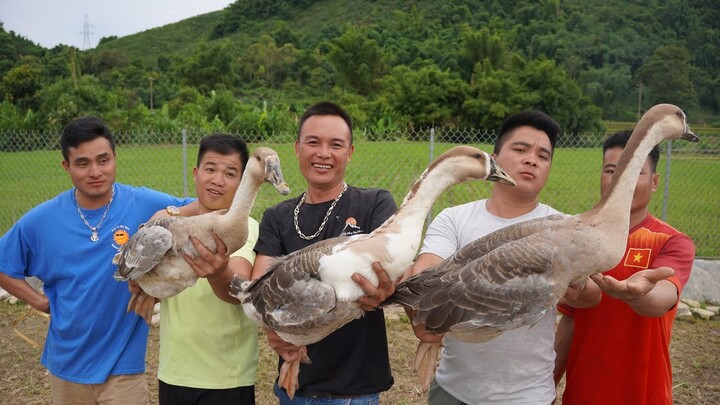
517,366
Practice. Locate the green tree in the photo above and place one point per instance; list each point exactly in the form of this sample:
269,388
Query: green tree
267,63
428,96
210,64
538,84
481,46
666,76
68,98
21,83
358,59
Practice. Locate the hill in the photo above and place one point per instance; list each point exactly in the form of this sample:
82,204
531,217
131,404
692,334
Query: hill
393,64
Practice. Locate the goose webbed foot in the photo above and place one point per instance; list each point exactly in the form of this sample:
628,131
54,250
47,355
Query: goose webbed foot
289,372
142,304
426,359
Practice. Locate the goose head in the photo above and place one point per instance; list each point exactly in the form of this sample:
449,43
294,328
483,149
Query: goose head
660,122
469,163
668,119
459,164
264,163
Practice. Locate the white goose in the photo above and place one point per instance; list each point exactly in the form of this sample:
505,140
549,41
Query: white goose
511,277
308,294
154,255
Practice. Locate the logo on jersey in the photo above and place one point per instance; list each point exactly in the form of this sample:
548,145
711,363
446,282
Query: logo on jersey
121,236
351,227
638,257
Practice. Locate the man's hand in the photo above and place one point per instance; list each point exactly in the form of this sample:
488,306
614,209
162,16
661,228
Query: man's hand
585,294
426,336
288,351
207,263
634,287
374,296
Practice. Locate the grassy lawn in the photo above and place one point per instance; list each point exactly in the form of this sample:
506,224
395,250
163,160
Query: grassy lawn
28,178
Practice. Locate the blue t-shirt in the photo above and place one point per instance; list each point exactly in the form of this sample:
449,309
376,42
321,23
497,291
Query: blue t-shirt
90,336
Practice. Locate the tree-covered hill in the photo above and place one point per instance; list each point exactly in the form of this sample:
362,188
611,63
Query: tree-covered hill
393,64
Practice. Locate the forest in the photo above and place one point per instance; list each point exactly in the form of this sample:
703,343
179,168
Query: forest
395,65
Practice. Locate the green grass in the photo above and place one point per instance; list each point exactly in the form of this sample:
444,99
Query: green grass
28,178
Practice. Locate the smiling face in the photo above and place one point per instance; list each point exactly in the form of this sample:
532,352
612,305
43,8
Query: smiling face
526,155
91,166
217,178
323,149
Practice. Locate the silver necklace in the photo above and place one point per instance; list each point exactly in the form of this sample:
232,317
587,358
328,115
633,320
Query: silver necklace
94,229
327,214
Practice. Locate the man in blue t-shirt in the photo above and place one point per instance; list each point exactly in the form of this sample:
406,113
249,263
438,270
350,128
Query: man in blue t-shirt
94,349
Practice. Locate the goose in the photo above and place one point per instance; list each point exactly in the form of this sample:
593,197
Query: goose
154,255
309,293
511,277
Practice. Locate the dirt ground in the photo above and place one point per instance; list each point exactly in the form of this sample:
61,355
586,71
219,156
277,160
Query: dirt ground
695,351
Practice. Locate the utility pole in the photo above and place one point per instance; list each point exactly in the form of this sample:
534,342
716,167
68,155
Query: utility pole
639,107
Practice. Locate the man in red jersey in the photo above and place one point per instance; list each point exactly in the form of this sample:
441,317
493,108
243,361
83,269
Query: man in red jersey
618,351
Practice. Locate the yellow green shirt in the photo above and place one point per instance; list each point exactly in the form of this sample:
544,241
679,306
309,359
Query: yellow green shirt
206,342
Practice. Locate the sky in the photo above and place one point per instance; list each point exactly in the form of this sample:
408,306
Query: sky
52,22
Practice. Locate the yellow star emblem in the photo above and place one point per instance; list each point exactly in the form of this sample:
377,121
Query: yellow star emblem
637,258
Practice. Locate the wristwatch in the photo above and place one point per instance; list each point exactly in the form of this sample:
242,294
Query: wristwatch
173,210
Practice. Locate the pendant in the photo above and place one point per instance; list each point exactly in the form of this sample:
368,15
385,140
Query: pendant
94,237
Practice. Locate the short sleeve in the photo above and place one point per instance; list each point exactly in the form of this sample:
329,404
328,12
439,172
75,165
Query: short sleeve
269,242
441,237
677,253
247,251
13,252
383,209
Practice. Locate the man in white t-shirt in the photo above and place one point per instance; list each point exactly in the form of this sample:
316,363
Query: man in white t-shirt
516,367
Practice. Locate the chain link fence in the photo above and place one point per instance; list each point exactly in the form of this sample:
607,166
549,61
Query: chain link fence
688,197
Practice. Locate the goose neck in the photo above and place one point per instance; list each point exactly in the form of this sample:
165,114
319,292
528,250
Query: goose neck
617,199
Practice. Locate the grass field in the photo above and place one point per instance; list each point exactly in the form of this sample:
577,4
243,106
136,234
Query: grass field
28,178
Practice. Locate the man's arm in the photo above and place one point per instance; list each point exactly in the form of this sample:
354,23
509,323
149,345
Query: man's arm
262,263
218,268
23,291
423,262
563,339
647,292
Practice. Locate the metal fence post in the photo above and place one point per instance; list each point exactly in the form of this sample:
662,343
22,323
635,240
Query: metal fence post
185,163
432,156
666,189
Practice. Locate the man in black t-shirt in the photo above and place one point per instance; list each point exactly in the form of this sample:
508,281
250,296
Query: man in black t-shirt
353,361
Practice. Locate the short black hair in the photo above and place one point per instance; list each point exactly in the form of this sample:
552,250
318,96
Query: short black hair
531,118
224,144
325,108
620,139
81,130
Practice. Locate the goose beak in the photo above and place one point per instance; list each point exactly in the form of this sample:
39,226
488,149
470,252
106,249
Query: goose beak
499,175
274,175
689,135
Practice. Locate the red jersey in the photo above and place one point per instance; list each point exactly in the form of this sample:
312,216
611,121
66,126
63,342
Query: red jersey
616,355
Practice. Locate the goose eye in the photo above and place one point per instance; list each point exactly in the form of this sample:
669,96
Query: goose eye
478,156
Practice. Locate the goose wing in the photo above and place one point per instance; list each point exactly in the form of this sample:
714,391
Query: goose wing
290,297
145,249
511,233
509,287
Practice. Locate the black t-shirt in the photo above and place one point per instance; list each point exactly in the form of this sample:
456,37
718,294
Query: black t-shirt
354,359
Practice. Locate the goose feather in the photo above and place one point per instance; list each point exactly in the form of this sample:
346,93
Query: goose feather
309,293
154,254
513,276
